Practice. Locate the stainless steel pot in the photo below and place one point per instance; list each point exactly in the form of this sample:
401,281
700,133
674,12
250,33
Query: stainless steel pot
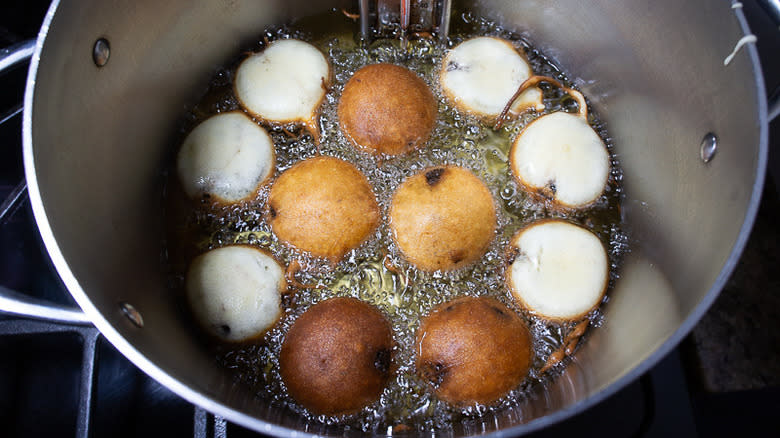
96,140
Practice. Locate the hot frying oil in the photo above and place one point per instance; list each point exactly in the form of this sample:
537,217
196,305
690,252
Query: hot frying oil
375,271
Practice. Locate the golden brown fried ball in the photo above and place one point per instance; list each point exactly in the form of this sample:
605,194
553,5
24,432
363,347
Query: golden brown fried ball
387,108
473,350
323,205
337,357
442,218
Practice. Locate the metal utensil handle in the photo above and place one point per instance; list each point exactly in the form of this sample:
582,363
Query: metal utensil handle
413,16
12,302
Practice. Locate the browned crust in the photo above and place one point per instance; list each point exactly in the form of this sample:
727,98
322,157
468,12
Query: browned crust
387,109
539,194
534,80
293,268
509,257
484,117
568,346
338,356
252,339
443,223
324,206
473,350
214,201
350,15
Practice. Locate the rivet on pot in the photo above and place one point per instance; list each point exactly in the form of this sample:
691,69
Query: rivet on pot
100,52
132,314
709,145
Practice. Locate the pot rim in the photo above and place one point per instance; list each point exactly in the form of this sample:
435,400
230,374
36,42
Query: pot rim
214,406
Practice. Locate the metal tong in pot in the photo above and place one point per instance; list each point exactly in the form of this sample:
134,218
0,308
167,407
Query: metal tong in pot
412,17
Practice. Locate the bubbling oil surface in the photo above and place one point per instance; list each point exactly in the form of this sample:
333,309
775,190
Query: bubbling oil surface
375,271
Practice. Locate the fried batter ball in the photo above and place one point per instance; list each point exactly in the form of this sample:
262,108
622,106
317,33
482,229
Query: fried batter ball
559,271
473,350
480,75
284,83
337,357
226,159
562,158
387,109
442,218
235,292
323,205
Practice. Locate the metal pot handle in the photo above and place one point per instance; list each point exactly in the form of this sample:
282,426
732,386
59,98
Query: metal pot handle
772,9
15,54
773,104
12,302
15,303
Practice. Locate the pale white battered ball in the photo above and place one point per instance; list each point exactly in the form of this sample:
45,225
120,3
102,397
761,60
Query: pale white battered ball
283,83
234,292
559,270
561,156
480,75
225,159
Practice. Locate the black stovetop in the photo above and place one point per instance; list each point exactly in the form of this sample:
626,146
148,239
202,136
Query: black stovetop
64,381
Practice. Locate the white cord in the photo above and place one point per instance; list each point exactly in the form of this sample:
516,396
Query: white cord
742,41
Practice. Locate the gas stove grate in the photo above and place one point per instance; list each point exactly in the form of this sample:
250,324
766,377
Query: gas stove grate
205,425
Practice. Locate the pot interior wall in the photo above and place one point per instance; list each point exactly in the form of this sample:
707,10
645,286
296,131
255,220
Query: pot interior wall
654,71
